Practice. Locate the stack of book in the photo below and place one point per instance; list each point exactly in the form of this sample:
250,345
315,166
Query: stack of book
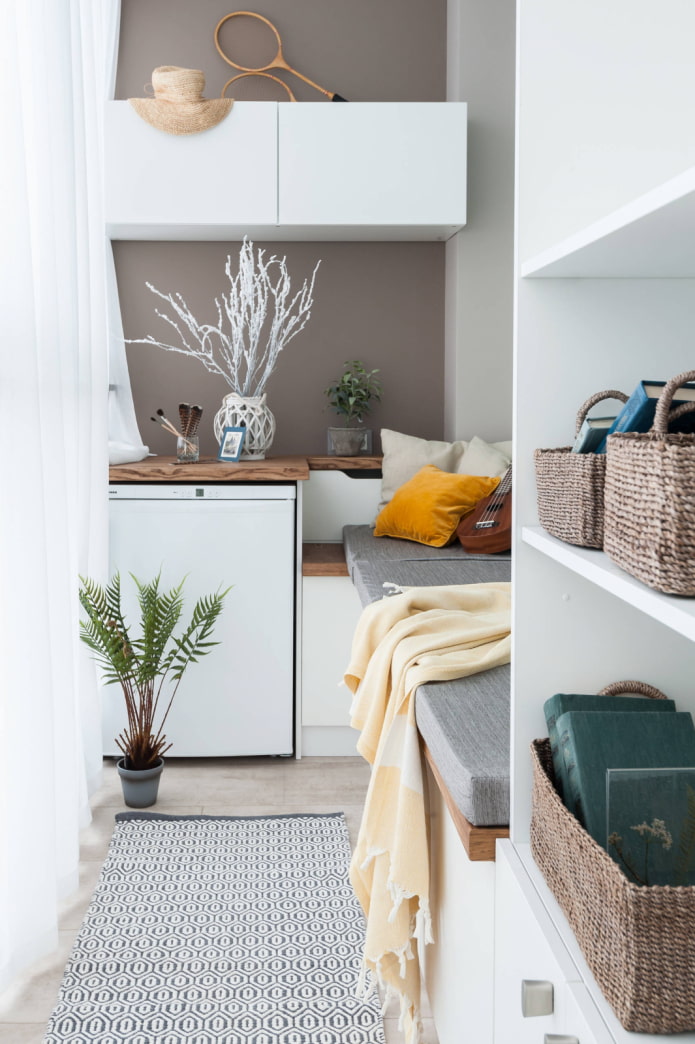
637,414
644,817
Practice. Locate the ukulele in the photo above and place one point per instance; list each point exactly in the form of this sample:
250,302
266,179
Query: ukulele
488,528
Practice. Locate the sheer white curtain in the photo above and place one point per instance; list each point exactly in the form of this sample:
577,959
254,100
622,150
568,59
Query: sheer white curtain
54,55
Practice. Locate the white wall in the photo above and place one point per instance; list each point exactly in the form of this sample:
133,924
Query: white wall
479,259
606,109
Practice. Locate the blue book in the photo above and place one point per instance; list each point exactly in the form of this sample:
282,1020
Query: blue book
562,702
638,412
591,433
594,741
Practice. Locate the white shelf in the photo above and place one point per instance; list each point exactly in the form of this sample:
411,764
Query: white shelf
674,612
651,237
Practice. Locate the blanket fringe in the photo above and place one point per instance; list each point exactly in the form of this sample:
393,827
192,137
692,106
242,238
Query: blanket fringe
392,589
409,1018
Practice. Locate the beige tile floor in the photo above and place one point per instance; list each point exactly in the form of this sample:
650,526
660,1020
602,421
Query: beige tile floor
214,786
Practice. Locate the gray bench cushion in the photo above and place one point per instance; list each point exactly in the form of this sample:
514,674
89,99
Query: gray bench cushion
360,543
465,723
369,577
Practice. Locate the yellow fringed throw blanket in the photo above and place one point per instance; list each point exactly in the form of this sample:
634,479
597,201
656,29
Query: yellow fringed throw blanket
422,634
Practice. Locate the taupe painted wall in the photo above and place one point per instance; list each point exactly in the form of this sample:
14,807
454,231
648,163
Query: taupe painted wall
379,302
391,50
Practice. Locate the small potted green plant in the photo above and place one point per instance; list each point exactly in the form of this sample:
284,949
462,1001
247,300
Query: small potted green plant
148,667
351,396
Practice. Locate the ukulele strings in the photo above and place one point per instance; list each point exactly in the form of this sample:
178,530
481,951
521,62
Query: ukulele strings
497,499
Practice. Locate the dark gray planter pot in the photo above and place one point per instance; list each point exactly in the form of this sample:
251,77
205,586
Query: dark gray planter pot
140,786
346,442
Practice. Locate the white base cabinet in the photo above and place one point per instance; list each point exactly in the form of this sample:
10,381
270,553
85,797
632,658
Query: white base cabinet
528,948
330,610
459,964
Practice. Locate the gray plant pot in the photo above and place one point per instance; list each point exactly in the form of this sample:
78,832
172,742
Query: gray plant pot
346,442
140,787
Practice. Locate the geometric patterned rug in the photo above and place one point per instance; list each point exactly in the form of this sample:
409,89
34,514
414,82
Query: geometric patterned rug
220,930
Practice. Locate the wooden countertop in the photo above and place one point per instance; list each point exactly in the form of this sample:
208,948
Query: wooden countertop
209,469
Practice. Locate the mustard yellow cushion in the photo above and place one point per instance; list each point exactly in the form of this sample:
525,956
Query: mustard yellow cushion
431,504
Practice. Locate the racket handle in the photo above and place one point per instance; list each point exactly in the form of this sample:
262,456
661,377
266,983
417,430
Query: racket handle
338,97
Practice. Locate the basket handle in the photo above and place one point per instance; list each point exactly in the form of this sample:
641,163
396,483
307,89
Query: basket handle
641,688
662,416
598,397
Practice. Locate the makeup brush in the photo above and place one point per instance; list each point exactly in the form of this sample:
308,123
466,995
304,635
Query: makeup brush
168,426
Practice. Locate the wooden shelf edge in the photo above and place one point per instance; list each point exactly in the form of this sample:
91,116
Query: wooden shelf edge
330,463
323,560
479,841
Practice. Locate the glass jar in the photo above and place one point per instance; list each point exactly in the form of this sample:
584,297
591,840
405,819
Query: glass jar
187,449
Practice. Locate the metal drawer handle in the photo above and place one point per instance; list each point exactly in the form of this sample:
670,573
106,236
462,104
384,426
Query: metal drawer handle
559,1038
536,998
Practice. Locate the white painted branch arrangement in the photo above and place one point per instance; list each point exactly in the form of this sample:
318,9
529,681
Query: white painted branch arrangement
245,355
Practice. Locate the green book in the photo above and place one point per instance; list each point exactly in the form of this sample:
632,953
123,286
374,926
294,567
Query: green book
594,741
562,702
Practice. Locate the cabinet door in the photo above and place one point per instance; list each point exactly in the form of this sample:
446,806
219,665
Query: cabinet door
373,164
330,611
168,186
527,947
238,700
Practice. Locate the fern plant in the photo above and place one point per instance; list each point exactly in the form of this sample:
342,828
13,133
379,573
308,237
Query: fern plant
145,663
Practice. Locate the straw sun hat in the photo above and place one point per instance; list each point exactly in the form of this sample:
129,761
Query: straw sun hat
178,106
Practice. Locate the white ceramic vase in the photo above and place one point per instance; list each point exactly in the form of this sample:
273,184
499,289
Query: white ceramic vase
251,413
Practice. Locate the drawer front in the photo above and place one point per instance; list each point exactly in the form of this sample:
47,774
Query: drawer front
527,948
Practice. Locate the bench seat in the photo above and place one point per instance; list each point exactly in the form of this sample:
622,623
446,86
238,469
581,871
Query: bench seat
464,723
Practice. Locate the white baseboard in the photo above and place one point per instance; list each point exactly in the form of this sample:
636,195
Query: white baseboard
329,741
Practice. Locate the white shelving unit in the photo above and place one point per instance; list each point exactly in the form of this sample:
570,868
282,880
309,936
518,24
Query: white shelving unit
605,297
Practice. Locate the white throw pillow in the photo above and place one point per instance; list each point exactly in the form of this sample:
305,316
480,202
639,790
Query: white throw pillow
504,447
482,458
404,455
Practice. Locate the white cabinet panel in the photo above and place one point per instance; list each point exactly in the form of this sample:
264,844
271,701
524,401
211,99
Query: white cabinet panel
582,1019
459,964
373,164
198,184
330,611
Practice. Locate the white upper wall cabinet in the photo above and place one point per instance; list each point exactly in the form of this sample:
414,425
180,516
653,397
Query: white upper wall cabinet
373,163
359,171
193,186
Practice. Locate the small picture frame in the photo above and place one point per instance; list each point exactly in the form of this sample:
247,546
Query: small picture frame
231,444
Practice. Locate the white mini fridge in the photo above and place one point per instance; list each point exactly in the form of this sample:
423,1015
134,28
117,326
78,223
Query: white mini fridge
238,700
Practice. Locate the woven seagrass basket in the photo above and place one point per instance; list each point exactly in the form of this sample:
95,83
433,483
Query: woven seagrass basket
570,487
639,942
650,500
